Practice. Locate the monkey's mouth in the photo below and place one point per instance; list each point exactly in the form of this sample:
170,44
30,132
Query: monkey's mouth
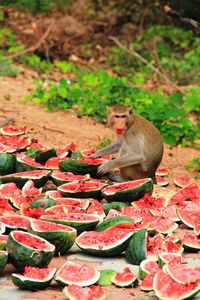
119,131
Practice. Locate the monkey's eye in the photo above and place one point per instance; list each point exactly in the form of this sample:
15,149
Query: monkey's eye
123,116
117,117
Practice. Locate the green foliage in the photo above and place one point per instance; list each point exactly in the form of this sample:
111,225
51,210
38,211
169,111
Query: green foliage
193,165
6,68
36,63
37,6
174,51
94,91
103,143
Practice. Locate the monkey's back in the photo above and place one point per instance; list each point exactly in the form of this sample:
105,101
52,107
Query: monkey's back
145,138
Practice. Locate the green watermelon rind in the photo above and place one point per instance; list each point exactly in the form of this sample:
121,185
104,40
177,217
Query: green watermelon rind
7,163
57,181
136,250
142,271
80,226
63,282
129,283
113,222
4,242
160,295
27,283
93,193
22,166
61,239
21,255
42,157
79,168
3,259
129,194
20,180
108,251
113,205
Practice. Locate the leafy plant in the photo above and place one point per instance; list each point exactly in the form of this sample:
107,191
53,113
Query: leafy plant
193,165
103,143
6,68
36,63
94,91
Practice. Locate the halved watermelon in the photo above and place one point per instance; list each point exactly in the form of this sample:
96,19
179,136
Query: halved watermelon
26,249
61,236
11,130
60,178
189,192
128,191
25,163
15,222
83,189
82,166
169,258
125,279
39,177
75,292
74,273
34,278
3,259
78,221
162,172
191,242
166,288
112,222
148,266
183,273
3,241
181,181
7,164
105,243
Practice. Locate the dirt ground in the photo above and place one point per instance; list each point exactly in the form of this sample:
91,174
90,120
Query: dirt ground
57,129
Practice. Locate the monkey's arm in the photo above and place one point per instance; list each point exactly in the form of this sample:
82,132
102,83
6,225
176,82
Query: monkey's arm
113,148
130,158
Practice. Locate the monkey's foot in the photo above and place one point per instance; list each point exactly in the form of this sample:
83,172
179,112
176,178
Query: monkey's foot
114,177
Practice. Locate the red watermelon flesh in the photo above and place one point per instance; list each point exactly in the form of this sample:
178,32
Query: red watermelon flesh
68,176
150,202
190,191
95,208
78,202
183,273
169,212
75,292
15,142
11,130
49,226
125,278
36,273
93,161
126,185
32,242
162,225
182,181
5,207
190,240
188,213
162,172
82,186
147,283
26,210
15,222
167,288
53,194
197,226
154,245
29,160
9,189
29,189
53,162
113,213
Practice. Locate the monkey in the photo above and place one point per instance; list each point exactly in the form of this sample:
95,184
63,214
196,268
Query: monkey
138,144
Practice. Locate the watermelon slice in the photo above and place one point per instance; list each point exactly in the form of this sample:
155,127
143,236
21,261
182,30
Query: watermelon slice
39,177
11,130
79,221
105,243
181,181
167,288
169,258
183,273
162,172
189,192
34,278
191,242
125,279
74,273
59,178
75,292
15,222
128,191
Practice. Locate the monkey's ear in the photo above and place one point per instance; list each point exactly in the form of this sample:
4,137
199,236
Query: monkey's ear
130,110
109,109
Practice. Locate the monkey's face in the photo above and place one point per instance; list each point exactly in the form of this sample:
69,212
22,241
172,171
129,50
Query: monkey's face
119,122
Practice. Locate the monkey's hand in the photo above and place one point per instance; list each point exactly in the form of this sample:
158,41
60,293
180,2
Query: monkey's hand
103,168
95,155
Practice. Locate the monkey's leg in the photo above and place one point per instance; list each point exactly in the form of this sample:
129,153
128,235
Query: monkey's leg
108,150
114,177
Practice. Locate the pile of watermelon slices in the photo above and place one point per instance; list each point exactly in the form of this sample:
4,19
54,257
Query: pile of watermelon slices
52,199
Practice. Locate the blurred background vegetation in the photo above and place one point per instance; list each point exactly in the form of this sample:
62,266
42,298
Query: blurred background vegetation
92,53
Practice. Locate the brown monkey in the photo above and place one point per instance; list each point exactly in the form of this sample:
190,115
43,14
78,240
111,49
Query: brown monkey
138,143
